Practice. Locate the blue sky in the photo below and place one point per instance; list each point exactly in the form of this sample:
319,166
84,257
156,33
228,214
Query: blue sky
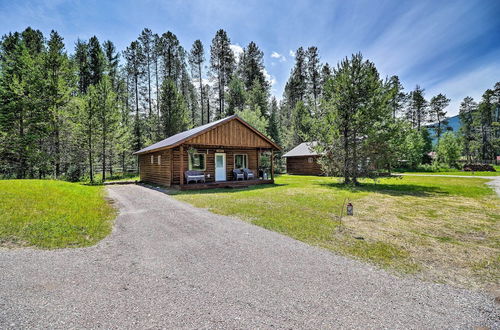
452,47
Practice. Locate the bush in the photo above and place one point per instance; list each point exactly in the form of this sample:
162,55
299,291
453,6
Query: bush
449,150
479,167
73,174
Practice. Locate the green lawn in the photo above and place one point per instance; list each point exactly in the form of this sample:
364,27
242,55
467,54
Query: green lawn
458,172
442,229
119,176
52,214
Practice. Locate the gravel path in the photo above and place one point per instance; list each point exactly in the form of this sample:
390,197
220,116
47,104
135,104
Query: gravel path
170,265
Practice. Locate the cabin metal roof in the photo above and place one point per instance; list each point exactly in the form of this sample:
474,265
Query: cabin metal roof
303,150
182,137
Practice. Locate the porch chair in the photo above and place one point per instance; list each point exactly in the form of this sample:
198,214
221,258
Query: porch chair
248,174
238,174
194,176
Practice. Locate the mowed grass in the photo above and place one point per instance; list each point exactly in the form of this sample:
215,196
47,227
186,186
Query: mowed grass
442,229
462,173
52,214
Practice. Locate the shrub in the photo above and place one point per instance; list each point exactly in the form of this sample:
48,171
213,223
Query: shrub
449,149
479,167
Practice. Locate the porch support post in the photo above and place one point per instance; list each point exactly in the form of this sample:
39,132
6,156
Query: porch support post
258,159
272,164
181,165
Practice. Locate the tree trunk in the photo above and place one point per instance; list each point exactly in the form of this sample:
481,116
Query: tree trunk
157,98
22,155
354,174
138,130
347,178
58,150
91,169
104,157
201,91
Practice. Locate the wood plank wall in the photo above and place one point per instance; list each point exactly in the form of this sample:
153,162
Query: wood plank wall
301,166
231,134
154,173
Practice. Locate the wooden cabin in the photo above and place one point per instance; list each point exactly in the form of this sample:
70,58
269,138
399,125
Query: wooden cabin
303,160
214,150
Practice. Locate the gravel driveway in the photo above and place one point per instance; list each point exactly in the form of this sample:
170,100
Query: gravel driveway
170,265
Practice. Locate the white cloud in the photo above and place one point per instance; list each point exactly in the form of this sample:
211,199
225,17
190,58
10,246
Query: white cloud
473,83
271,79
237,50
278,56
291,53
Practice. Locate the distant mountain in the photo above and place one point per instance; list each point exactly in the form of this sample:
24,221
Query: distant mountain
454,125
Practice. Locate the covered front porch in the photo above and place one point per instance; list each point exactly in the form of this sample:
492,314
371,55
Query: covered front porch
224,184
216,166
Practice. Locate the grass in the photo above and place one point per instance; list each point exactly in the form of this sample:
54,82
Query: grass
52,214
442,229
118,176
459,172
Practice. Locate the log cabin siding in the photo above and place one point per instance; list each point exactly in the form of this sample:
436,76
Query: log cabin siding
156,173
209,151
301,165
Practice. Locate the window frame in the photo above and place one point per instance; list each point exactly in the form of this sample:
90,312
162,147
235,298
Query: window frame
190,162
234,161
159,159
152,159
310,160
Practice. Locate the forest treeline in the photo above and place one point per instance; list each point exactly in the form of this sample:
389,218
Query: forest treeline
67,115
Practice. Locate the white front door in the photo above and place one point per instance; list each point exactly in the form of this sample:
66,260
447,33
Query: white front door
220,167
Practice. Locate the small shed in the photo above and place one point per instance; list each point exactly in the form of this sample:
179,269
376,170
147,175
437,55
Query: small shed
303,160
212,150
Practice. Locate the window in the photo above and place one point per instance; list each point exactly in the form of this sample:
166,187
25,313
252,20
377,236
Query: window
159,159
310,160
240,161
152,159
197,162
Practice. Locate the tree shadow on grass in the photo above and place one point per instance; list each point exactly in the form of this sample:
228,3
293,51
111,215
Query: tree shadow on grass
390,189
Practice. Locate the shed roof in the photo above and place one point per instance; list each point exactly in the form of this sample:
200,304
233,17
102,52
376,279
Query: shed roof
182,137
302,150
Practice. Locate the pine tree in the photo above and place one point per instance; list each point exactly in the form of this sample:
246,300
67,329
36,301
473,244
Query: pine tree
484,121
467,113
396,97
147,46
235,96
57,91
82,62
326,74
23,117
112,61
97,62
170,52
173,110
313,76
134,58
196,59
252,67
273,129
107,114
437,114
418,107
222,65
354,113
157,51
295,88
257,99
